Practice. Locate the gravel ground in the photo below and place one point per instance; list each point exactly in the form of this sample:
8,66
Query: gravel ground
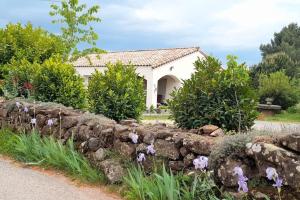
277,126
259,125
19,183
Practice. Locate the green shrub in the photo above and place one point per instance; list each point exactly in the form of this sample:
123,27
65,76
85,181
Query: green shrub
58,82
18,81
118,93
47,152
279,87
213,95
19,42
294,109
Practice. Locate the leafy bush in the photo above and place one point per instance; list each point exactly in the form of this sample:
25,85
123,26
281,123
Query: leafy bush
294,109
118,93
58,82
279,87
26,42
18,81
216,96
47,152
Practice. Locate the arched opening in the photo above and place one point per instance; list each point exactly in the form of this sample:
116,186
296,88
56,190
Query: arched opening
165,86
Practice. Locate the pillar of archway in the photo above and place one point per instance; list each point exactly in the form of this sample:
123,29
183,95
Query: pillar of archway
151,96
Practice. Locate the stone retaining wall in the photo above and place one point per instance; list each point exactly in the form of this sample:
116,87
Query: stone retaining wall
97,137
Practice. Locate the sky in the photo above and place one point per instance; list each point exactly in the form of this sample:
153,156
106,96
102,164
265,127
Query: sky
219,28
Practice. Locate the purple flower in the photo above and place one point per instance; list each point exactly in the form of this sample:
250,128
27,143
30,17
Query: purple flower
26,110
278,183
18,104
150,149
50,122
271,173
134,137
141,157
33,121
238,171
201,162
241,179
242,184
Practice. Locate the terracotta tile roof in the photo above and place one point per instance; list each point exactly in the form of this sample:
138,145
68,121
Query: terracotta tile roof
149,58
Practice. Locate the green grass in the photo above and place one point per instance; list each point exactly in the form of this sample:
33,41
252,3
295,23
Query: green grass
284,117
163,185
47,152
156,117
292,114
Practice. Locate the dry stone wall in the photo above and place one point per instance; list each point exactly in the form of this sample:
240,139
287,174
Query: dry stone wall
98,138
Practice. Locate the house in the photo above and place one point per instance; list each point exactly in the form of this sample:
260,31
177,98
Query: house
162,69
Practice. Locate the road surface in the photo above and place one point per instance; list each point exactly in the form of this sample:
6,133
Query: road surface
19,183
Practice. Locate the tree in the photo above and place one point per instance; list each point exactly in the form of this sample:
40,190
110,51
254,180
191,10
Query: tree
19,42
281,54
75,19
275,62
280,88
213,95
287,41
58,82
118,93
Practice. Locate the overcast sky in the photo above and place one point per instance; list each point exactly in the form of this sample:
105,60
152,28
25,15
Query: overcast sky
217,27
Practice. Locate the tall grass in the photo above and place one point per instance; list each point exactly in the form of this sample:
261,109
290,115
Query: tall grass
47,152
163,185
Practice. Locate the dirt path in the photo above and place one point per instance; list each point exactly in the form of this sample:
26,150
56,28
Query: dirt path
19,183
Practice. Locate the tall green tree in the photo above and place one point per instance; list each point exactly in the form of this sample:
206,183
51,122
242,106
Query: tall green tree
281,54
287,41
275,62
75,20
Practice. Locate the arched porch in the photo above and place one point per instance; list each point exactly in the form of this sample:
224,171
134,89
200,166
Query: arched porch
165,86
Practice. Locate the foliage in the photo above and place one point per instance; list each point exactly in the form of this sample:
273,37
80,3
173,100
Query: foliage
27,43
46,152
287,41
294,109
282,53
118,93
75,19
163,185
273,63
7,141
278,86
18,81
58,82
216,96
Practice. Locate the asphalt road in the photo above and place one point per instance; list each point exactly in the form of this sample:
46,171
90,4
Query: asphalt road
19,183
